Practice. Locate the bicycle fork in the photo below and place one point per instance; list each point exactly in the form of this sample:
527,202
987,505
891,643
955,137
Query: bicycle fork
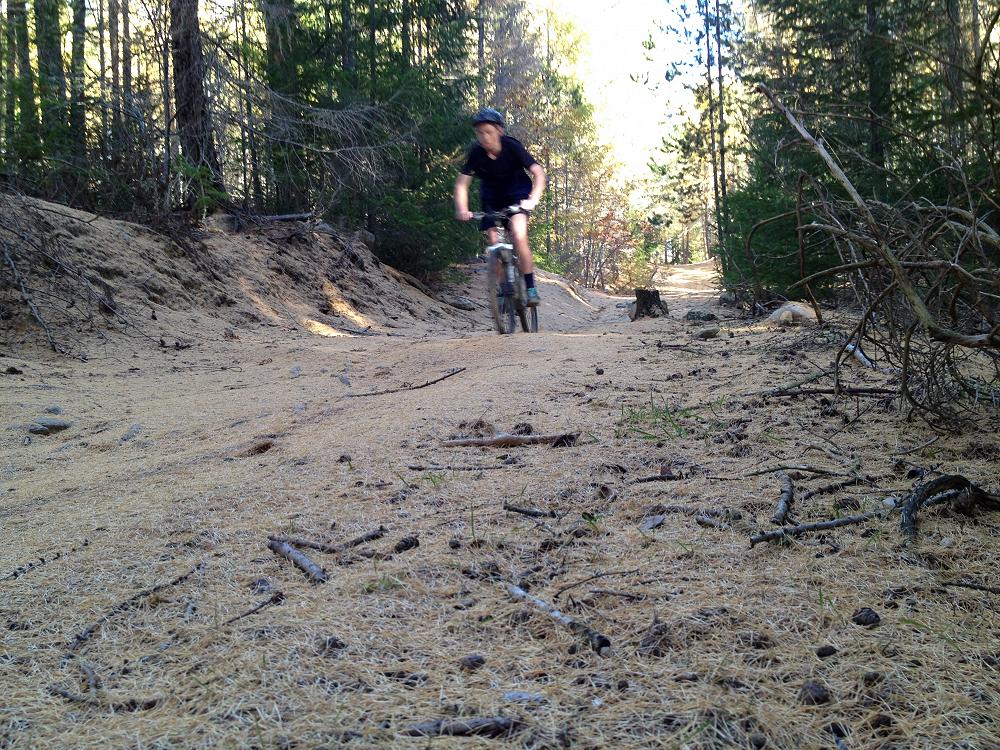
503,253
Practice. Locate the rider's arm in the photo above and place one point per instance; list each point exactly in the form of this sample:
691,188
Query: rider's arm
537,186
462,212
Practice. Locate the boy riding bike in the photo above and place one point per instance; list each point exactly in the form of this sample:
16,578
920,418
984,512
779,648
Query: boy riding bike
509,176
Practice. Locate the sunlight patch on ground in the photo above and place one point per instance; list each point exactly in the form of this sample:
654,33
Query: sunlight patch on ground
340,306
259,303
321,329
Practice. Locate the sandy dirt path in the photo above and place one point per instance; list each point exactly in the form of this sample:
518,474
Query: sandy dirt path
184,462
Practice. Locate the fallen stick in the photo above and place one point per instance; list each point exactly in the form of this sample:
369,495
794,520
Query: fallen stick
594,578
124,606
532,512
276,598
795,467
132,704
785,501
599,643
332,549
409,387
504,440
974,586
834,391
494,726
418,467
704,520
658,478
943,489
828,488
313,572
792,531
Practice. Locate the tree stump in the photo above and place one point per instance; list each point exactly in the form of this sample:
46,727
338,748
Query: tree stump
648,304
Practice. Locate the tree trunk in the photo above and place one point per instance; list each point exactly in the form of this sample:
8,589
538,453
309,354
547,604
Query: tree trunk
10,76
102,61
194,126
51,77
348,60
127,93
711,119
372,48
27,143
279,26
648,304
77,67
481,33
406,41
114,11
874,54
723,179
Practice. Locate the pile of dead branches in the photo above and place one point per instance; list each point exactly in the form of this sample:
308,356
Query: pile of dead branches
928,280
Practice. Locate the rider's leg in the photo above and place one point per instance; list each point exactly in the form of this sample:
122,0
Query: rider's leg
519,234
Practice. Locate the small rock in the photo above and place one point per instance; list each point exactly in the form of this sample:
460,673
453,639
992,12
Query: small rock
521,696
890,502
599,371
344,379
345,458
462,303
813,694
330,646
947,542
454,543
295,371
472,662
260,586
824,651
13,371
299,408
53,410
866,617
727,298
701,315
624,305
133,432
406,543
49,425
707,333
651,522
758,740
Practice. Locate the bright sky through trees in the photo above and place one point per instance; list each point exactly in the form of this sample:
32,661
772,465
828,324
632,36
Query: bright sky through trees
631,114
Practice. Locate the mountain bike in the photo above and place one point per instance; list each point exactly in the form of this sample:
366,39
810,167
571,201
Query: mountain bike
504,281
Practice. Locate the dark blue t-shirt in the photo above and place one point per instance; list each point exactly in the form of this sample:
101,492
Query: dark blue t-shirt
504,177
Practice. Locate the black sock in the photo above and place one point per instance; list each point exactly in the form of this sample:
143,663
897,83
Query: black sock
529,280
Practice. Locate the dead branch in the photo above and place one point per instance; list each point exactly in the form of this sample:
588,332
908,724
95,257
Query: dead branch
132,704
974,586
702,519
594,578
785,501
313,572
333,549
504,440
276,598
532,512
450,373
795,467
26,296
958,490
599,643
494,726
828,488
793,531
81,638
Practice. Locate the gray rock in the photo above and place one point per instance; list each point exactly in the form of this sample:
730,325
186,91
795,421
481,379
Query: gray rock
462,303
133,432
53,410
299,408
344,379
49,425
522,696
472,662
702,315
707,333
652,522
296,371
727,298
947,542
624,305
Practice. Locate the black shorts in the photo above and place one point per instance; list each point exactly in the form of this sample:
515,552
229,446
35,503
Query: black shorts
493,202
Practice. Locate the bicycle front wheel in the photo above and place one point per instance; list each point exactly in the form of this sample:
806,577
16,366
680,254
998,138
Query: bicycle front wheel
532,320
497,308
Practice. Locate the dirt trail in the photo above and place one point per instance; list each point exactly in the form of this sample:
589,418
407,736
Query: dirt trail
187,460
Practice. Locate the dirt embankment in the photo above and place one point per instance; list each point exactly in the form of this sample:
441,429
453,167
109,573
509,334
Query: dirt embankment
143,607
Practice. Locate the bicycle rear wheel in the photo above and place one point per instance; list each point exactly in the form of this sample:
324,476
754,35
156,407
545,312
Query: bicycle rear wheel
521,303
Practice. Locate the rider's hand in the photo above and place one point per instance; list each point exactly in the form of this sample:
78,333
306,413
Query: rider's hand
529,204
463,215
